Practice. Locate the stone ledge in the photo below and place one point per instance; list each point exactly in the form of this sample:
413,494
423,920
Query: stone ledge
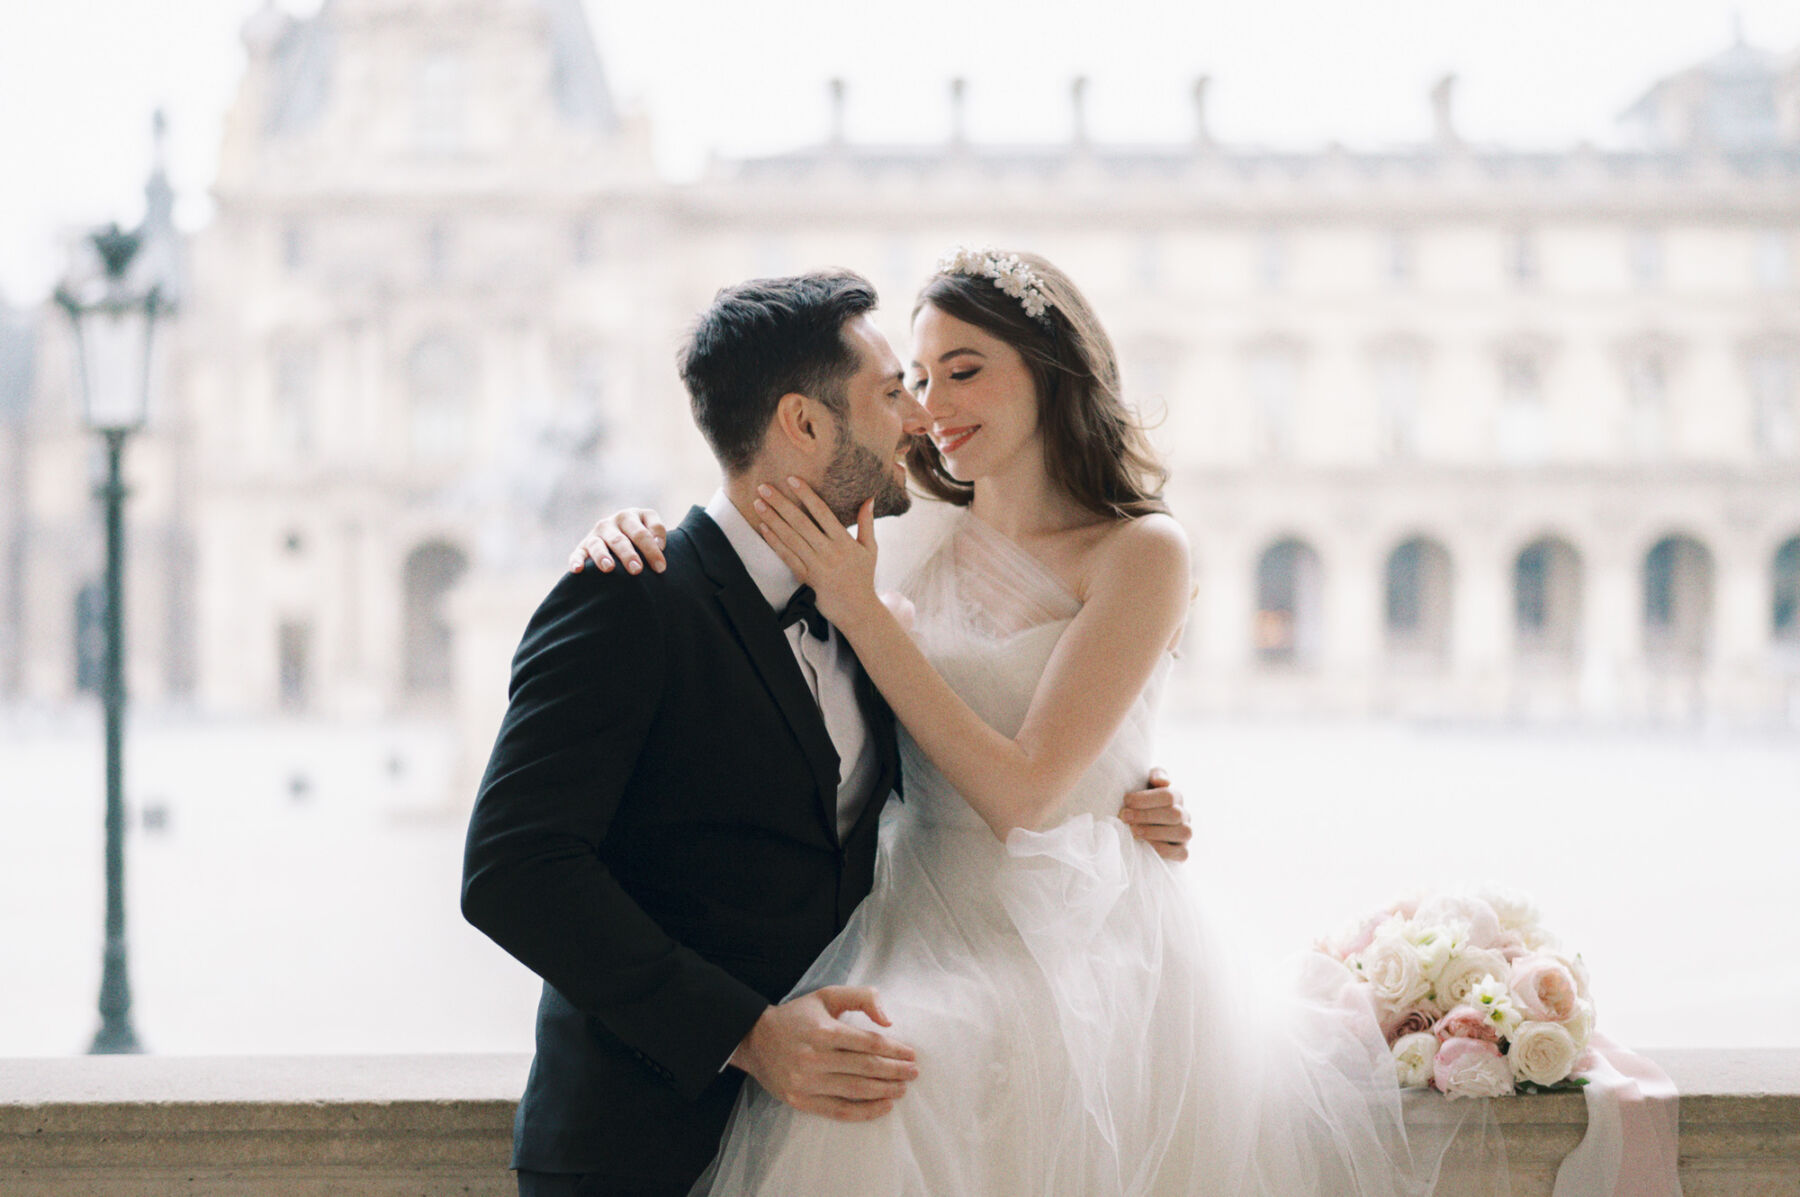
408,1126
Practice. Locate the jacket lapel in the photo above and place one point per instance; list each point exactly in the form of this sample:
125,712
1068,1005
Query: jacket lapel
767,647
879,718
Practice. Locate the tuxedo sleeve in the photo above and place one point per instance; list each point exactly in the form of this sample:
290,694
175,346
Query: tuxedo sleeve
586,683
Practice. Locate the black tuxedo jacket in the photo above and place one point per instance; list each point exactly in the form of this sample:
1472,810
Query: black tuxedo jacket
656,836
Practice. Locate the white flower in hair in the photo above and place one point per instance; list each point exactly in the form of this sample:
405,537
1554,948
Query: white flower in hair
1010,273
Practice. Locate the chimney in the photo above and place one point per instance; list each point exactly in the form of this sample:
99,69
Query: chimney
1442,120
836,90
1202,133
1078,108
959,124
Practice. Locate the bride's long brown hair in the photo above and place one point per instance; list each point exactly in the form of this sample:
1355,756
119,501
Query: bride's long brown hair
1093,444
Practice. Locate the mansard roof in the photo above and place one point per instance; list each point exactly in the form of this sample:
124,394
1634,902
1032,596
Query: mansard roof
303,55
1730,100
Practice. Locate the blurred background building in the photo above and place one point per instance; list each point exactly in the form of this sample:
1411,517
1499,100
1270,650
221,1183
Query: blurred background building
1458,431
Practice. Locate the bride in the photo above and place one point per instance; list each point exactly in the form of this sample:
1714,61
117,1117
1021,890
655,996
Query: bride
1077,1024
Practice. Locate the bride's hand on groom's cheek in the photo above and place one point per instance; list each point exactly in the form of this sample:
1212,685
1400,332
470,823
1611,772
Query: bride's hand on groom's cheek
805,1054
633,538
1159,817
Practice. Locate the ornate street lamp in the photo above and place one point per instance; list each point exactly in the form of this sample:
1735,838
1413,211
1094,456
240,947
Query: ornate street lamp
113,323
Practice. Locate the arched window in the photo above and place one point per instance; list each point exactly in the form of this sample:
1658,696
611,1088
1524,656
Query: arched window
1418,599
1547,601
1289,607
439,386
1677,601
1785,624
431,571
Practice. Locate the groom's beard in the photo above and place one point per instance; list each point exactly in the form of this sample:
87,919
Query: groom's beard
856,475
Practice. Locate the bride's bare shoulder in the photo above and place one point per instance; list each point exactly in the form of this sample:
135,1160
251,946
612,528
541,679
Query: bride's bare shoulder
1154,541
1145,553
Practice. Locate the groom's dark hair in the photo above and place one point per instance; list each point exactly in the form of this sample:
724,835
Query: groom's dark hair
761,340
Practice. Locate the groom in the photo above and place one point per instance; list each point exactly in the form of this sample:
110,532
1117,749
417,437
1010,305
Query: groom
680,811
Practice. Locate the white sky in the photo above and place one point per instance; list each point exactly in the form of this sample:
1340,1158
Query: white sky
79,78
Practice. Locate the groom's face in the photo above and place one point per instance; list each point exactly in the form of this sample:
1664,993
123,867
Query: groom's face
880,420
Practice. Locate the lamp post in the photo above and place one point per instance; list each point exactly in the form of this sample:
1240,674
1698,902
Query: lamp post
113,324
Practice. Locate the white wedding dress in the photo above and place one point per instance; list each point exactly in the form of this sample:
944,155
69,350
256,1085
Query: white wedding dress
1078,1027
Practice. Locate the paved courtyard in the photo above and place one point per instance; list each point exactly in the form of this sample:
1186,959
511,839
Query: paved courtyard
293,886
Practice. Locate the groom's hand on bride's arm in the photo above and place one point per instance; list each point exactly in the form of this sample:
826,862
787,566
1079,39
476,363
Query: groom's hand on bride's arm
1158,816
805,1054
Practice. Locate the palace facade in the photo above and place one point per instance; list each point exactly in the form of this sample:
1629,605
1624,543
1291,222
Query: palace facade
1457,430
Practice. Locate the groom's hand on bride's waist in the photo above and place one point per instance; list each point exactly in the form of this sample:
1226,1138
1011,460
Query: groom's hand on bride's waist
804,1053
1158,816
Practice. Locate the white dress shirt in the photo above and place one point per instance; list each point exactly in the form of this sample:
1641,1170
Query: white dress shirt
828,665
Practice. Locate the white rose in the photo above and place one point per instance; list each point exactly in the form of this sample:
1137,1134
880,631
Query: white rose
1514,910
1412,1058
1580,1025
1541,1052
1466,970
1391,966
1478,923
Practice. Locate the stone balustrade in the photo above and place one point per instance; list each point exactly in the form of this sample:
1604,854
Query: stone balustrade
427,1126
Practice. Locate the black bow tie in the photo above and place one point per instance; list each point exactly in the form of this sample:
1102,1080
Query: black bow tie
800,607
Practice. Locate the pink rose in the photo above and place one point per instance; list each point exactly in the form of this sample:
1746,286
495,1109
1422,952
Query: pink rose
1466,1022
1543,989
1471,1068
1397,1026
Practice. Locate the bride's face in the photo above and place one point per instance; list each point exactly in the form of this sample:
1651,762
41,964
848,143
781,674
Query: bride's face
978,392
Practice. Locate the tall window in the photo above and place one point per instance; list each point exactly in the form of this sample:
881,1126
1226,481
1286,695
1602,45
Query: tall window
1645,254
1647,404
1289,606
1524,431
1274,385
439,246
1522,265
296,247
431,571
1398,372
439,387
1418,600
1399,257
1785,623
1774,373
293,650
1547,601
440,103
1147,256
1271,258
1677,601
1773,259
296,398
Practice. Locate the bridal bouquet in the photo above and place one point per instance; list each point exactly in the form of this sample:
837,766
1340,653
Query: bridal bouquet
1475,997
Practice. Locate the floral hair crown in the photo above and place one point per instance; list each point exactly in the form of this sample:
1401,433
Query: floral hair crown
1009,272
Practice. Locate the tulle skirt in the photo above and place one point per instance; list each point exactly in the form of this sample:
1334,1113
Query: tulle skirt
1081,1029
